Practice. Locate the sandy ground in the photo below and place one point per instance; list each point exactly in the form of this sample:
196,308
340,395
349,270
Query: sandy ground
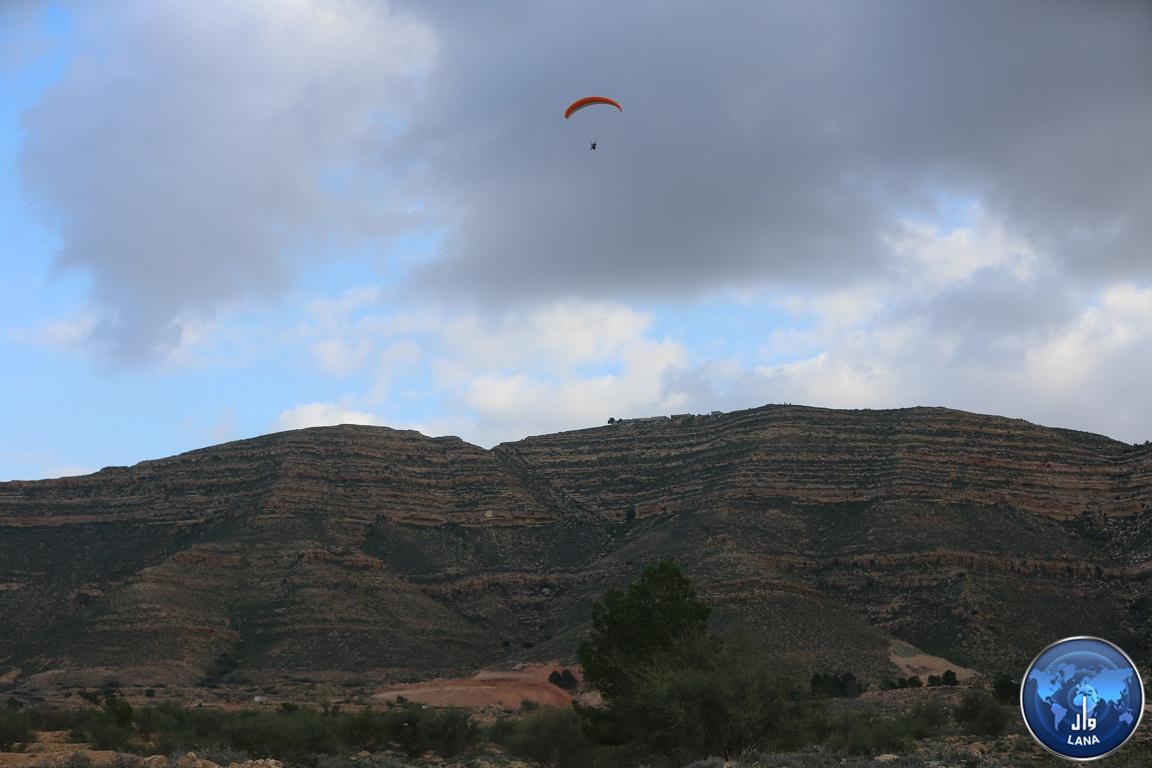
912,661
52,747
504,689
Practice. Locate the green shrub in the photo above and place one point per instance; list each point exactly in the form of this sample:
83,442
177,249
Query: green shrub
304,733
630,628
55,719
925,719
125,761
549,736
118,710
221,755
1006,690
565,680
706,696
949,678
844,685
15,729
104,732
979,713
447,731
869,735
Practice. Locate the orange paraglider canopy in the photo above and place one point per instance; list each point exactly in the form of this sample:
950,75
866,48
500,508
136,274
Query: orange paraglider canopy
588,101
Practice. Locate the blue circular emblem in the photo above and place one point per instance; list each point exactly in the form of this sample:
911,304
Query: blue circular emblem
1082,698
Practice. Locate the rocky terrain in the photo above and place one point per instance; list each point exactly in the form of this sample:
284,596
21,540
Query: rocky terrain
846,540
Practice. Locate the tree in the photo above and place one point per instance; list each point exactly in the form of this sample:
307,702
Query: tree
630,628
15,729
565,680
1005,689
949,678
979,713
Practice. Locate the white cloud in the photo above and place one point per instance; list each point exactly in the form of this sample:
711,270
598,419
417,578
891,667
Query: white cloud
323,415
900,340
66,470
892,341
193,154
68,333
932,259
554,336
1113,338
491,378
342,357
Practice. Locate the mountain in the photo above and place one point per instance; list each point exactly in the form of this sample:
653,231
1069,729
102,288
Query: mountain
842,540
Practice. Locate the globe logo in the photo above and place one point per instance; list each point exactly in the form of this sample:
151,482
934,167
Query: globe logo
1082,698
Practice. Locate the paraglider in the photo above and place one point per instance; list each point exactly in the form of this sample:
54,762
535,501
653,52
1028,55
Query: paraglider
589,101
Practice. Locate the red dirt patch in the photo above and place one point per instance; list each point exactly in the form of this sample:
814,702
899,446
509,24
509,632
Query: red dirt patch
505,689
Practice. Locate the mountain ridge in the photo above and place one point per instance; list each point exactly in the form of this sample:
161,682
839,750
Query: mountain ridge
369,553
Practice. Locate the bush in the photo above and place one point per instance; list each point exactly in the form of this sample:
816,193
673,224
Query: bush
925,719
980,714
843,686
949,678
705,697
125,761
291,736
15,729
708,762
54,719
630,628
221,755
118,710
1006,690
447,731
869,735
548,736
565,680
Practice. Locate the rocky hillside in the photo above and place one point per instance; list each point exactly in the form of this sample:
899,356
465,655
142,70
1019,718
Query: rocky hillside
365,553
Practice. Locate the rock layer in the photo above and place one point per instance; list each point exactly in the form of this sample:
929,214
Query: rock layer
365,553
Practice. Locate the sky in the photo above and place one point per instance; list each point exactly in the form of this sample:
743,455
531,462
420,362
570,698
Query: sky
221,219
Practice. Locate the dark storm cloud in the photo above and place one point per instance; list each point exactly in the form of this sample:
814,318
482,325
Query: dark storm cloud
994,305
192,152
774,142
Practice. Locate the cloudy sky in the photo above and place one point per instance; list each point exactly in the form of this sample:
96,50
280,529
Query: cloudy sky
220,219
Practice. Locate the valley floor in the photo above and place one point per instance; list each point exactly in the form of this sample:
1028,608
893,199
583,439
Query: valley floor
1007,752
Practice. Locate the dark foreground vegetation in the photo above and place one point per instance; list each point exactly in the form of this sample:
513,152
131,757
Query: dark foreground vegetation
674,694
293,734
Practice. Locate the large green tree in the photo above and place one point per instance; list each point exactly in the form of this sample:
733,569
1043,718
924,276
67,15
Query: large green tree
631,628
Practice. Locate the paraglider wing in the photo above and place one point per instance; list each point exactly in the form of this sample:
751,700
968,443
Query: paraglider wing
588,101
